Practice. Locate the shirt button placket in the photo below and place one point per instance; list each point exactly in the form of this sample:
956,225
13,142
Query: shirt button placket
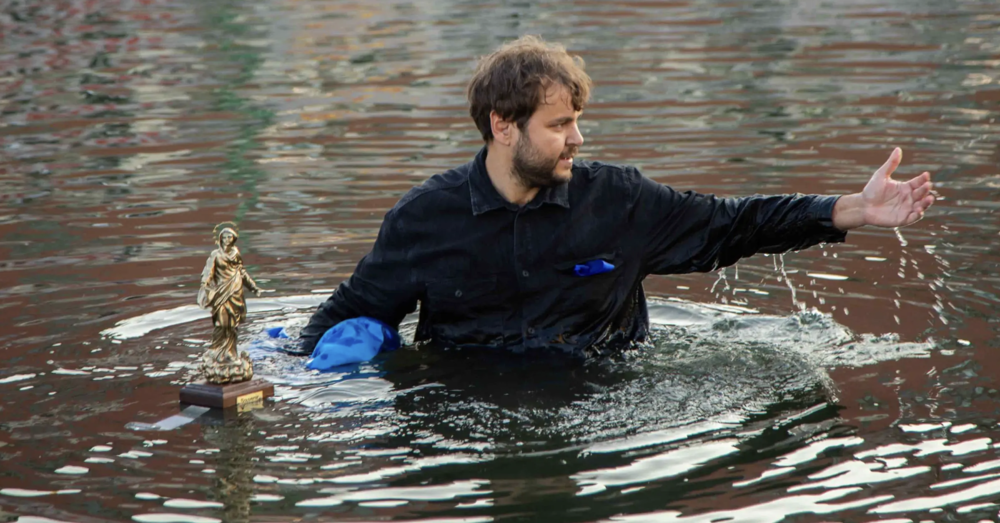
523,253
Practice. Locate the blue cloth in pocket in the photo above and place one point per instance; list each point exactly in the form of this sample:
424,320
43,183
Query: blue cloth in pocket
352,341
592,267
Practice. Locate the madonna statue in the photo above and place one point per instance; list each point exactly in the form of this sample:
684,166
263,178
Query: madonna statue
221,290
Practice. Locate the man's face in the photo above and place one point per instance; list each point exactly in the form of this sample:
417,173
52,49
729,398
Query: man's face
544,151
227,239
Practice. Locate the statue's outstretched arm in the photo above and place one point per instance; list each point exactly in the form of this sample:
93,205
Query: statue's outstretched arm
248,281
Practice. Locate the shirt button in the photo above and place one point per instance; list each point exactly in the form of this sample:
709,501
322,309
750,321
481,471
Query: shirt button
458,293
525,274
531,330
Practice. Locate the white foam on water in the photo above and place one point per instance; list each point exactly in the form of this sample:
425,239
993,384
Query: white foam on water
410,465
825,276
70,372
479,503
664,465
383,504
857,473
895,463
263,478
332,501
924,427
266,498
28,493
774,511
649,439
72,469
190,503
926,448
382,452
814,449
972,508
355,390
17,377
589,490
959,429
135,454
892,449
958,449
454,490
983,467
173,518
922,504
770,473
292,457
25,493
963,481
476,519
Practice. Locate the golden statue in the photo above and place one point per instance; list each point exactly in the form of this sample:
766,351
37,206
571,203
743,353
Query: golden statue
222,284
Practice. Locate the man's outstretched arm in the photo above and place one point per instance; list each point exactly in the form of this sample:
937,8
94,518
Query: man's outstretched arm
691,232
381,287
885,202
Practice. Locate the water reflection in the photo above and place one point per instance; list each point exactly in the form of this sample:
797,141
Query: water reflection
634,423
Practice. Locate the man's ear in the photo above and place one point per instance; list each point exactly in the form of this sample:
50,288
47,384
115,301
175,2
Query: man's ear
501,129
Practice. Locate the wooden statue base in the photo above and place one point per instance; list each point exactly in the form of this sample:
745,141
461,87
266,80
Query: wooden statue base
245,396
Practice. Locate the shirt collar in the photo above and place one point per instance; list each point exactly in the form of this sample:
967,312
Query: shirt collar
485,197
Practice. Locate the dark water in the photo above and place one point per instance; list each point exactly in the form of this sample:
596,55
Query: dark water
850,383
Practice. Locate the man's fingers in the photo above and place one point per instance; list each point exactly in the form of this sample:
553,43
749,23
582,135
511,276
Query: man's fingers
912,217
917,181
926,202
918,211
922,191
890,165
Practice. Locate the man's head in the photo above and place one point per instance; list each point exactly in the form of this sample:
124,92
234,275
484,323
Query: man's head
526,98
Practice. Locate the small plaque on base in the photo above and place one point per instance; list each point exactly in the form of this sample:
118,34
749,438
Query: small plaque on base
245,396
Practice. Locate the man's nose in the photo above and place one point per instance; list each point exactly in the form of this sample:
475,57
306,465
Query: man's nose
575,137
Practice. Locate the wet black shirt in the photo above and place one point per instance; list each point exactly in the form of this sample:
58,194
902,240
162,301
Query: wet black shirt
491,274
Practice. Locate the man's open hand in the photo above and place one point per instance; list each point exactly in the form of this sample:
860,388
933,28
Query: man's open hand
885,202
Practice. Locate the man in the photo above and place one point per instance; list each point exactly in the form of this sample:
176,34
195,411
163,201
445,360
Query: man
526,250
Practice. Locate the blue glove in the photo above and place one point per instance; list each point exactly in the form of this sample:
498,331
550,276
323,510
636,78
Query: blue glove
592,267
351,341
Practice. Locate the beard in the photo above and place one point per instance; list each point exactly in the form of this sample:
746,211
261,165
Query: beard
532,169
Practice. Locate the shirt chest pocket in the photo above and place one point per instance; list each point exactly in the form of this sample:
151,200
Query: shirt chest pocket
590,284
595,266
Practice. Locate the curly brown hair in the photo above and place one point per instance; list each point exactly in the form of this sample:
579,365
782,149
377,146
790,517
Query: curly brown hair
513,79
